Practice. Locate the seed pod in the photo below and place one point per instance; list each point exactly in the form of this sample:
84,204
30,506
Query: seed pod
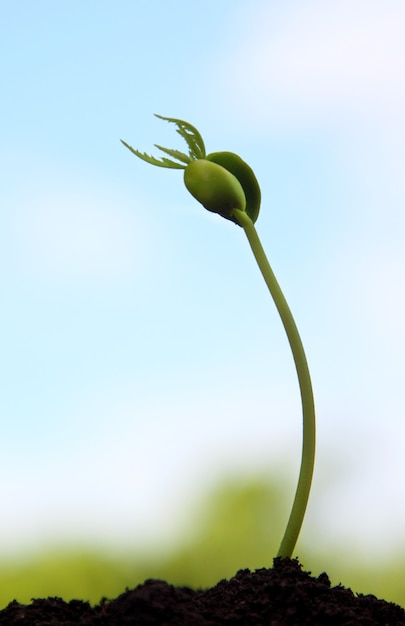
215,187
245,175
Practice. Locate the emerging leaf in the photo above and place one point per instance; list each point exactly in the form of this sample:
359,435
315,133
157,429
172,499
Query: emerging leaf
176,154
195,143
163,162
191,136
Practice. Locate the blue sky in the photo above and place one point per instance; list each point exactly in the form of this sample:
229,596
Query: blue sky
141,355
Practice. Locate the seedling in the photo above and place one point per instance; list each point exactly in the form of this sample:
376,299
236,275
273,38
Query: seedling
223,183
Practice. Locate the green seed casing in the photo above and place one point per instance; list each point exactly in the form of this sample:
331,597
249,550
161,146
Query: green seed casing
215,187
245,175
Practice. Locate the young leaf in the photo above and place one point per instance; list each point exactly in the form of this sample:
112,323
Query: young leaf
163,162
176,154
191,136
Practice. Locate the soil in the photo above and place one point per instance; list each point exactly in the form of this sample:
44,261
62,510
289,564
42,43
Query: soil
279,596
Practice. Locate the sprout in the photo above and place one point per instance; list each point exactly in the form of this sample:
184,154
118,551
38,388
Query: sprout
223,183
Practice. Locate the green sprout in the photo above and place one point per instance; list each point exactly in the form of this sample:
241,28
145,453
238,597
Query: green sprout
223,183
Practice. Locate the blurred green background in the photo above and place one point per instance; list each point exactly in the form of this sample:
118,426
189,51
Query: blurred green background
237,525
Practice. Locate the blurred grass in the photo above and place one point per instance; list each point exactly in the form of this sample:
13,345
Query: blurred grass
239,526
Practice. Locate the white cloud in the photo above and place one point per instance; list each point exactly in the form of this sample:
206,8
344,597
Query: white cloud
70,229
138,458
304,61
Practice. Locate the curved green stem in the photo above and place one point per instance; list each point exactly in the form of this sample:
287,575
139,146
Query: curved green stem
308,443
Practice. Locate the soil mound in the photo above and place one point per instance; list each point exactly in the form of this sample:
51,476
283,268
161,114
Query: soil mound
281,596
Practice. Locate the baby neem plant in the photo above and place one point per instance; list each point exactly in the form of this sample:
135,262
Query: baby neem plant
223,183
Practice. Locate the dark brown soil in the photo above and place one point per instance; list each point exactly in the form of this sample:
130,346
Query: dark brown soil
279,596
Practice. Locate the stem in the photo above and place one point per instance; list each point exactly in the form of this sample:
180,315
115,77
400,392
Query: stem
307,399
